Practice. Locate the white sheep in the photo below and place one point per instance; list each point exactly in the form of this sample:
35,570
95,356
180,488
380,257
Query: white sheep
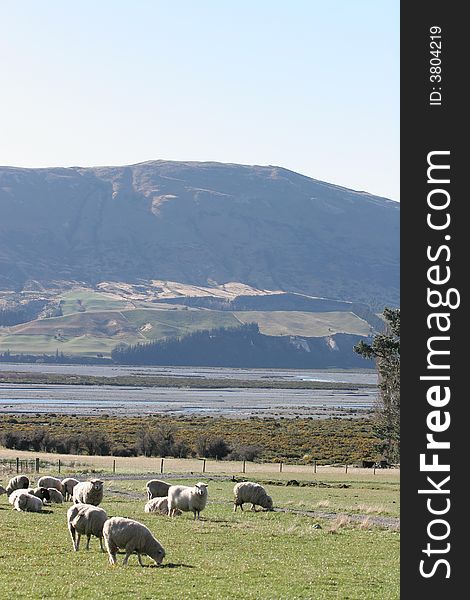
188,499
67,487
27,502
86,519
133,536
88,492
157,488
248,491
15,494
20,482
158,505
50,482
55,496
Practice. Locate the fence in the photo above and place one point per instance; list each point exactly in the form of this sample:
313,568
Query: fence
66,464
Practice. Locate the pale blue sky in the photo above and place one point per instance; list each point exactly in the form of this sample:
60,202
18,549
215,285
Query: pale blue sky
309,85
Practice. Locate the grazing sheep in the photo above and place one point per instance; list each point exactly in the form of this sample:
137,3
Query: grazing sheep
133,537
55,496
188,499
157,488
67,487
28,503
88,492
248,491
20,482
50,482
159,505
86,519
2,490
40,492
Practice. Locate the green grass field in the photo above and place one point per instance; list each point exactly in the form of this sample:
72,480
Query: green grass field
94,323
246,556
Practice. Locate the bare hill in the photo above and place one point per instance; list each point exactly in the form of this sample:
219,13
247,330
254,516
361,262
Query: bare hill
199,224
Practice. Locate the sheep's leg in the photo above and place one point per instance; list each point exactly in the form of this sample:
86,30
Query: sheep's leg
112,558
78,541
126,558
72,535
140,560
235,507
112,549
253,507
88,541
101,545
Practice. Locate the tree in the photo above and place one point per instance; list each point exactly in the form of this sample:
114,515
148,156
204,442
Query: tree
385,349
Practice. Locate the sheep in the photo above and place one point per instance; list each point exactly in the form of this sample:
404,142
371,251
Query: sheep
17,483
88,492
187,499
55,496
67,487
50,482
27,502
133,536
159,505
248,491
15,494
40,492
157,488
86,519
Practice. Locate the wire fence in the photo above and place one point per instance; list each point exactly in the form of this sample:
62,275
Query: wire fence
67,464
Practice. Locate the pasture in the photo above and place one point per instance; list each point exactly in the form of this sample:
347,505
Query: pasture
94,323
250,556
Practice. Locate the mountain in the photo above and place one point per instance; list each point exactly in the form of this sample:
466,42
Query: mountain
201,224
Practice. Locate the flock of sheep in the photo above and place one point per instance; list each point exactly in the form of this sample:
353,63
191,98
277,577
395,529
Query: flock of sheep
85,517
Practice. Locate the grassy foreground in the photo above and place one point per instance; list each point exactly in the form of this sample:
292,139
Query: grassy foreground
243,555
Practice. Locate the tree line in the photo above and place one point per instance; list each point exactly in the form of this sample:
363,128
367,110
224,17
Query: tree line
160,441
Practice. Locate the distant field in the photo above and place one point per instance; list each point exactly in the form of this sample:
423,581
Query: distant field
88,300
305,323
94,323
244,556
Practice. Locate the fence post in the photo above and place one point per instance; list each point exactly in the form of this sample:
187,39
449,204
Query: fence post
203,465
314,466
37,465
374,469
59,465
17,465
114,465
346,468
280,467
244,467
161,465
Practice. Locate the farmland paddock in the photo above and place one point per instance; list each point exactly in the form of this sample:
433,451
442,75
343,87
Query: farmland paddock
17,462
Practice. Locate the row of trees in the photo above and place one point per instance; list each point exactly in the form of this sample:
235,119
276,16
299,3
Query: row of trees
161,441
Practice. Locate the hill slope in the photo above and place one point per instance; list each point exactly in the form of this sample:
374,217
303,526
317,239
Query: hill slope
197,223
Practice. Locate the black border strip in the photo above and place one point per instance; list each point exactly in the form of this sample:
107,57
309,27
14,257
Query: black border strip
425,128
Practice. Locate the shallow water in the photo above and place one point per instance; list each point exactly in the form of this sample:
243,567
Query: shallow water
346,376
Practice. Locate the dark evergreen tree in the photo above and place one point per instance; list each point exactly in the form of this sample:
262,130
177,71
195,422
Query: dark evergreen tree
385,349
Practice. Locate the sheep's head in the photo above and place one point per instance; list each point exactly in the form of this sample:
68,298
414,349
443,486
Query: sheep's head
97,485
44,494
268,503
201,488
157,554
